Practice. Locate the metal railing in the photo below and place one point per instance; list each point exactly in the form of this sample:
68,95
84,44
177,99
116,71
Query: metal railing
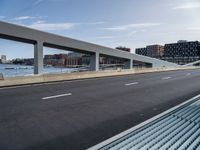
179,129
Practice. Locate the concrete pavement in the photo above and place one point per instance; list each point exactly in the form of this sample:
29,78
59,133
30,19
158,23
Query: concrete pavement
80,114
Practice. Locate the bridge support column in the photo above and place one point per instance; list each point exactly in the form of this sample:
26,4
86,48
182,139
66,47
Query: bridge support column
38,58
94,62
128,64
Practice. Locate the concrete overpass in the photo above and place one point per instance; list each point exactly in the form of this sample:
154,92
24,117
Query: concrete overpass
39,39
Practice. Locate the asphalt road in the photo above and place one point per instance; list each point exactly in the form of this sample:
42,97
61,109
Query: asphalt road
79,114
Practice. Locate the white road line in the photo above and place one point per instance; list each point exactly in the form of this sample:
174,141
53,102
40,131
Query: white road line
13,87
56,96
188,74
166,78
133,83
39,84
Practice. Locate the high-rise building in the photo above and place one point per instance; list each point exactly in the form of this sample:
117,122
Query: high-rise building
155,51
141,51
182,49
3,59
182,52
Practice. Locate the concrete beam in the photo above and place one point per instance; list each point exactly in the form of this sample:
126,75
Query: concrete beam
28,35
94,62
38,57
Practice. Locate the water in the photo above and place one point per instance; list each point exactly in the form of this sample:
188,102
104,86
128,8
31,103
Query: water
10,70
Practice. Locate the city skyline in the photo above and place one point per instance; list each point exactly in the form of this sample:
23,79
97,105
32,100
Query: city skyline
137,24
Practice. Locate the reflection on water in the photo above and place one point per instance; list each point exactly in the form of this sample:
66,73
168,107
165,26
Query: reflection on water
9,70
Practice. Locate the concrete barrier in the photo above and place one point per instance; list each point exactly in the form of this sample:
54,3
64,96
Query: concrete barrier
14,81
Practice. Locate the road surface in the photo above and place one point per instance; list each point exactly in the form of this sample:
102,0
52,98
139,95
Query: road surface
78,114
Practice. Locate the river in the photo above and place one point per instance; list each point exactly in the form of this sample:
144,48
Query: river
10,70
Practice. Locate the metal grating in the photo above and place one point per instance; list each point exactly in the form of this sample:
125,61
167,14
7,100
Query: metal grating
178,130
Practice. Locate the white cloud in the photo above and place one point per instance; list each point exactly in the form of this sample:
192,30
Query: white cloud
131,26
188,5
133,32
194,28
23,18
41,25
104,37
136,31
2,17
95,23
37,2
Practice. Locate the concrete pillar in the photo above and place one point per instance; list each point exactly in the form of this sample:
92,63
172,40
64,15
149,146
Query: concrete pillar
38,58
94,62
131,64
128,64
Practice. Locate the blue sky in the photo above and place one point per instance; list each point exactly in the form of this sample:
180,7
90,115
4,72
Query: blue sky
130,23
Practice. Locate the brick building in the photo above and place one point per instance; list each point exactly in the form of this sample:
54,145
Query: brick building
67,60
123,48
155,51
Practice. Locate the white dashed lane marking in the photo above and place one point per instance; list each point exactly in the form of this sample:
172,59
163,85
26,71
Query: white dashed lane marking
56,96
166,78
188,74
133,83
